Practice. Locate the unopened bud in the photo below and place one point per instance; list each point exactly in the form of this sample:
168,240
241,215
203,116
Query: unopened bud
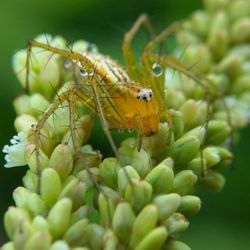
161,179
142,227
141,162
122,227
176,224
61,160
213,181
184,182
184,150
166,204
125,175
154,240
50,186
108,171
75,190
59,217
176,245
138,194
75,235
190,205
40,240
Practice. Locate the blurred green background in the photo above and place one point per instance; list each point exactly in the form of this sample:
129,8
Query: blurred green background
224,221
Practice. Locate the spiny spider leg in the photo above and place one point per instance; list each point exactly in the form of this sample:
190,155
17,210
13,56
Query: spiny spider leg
143,20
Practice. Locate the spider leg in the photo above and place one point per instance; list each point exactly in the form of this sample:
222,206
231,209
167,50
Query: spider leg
86,64
143,20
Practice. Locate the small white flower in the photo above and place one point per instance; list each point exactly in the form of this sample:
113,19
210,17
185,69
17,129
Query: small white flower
15,152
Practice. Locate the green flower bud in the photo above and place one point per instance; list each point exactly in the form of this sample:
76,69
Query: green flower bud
178,124
125,175
30,181
40,240
213,181
110,241
231,65
166,204
75,235
176,224
141,162
94,236
138,194
61,160
108,171
44,71
195,109
126,150
20,196
38,104
214,5
59,245
89,177
121,226
217,132
217,156
184,182
83,128
59,217
184,150
35,204
106,209
39,223
13,218
81,213
157,145
50,186
176,245
192,56
238,9
8,246
240,30
22,234
211,154
217,81
142,226
75,190
185,38
161,179
154,240
84,46
173,98
110,193
197,165
24,122
22,104
31,201
198,132
190,205
200,21
218,37
241,84
31,158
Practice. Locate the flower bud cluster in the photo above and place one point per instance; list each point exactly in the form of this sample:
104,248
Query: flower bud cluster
147,202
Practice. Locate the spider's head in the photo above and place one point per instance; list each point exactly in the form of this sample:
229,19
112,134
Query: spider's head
145,94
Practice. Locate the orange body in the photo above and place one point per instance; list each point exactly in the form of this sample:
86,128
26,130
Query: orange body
128,105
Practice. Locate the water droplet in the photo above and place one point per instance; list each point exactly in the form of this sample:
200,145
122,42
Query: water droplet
157,70
67,64
91,72
83,72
